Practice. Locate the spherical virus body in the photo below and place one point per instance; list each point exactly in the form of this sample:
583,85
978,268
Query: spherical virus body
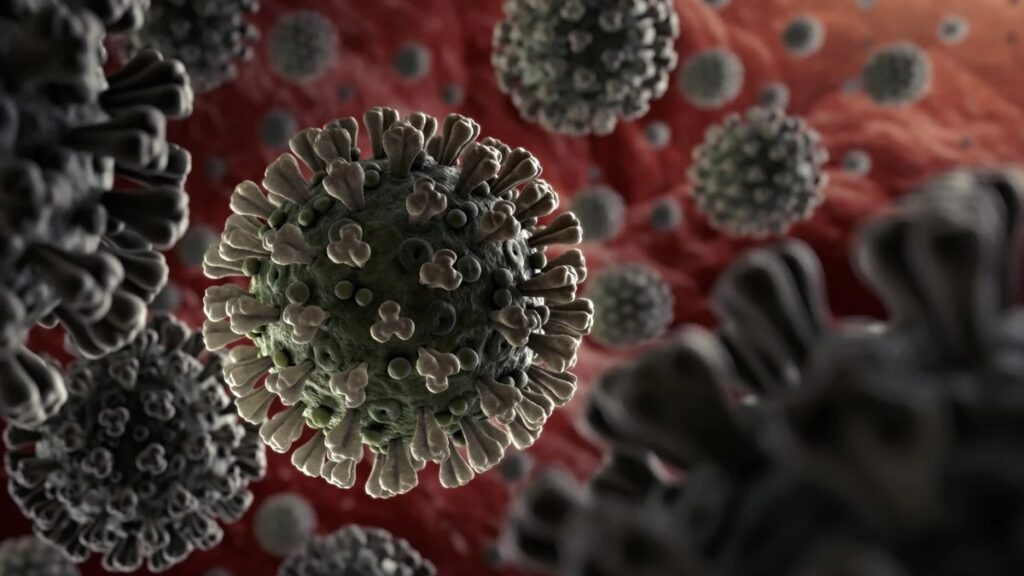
143,460
403,301
712,78
357,551
33,556
601,212
580,66
758,175
953,30
284,523
632,304
302,45
897,74
207,37
75,248
803,36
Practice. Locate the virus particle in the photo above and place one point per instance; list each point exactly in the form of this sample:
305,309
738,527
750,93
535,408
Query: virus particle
76,250
897,74
870,442
216,168
302,45
453,94
168,299
865,4
632,304
579,67
277,127
857,162
194,244
515,467
403,301
666,214
758,175
412,61
358,550
953,30
601,212
144,458
32,556
774,95
284,524
712,78
717,4
658,134
803,36
207,37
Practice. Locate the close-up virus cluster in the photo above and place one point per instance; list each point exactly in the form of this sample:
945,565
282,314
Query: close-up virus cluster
511,287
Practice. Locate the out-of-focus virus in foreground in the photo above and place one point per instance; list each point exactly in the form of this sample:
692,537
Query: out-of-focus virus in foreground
632,304
33,556
803,36
144,459
810,446
897,74
403,301
284,523
712,78
357,550
207,37
76,249
302,46
758,174
580,66
601,212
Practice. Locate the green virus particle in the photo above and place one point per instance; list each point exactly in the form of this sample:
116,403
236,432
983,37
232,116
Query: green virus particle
803,36
601,212
897,74
632,304
403,302
712,78
33,556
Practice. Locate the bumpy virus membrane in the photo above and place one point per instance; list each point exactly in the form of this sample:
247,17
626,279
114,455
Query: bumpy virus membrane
712,78
813,446
632,304
143,460
601,212
77,249
759,174
897,74
357,550
32,556
580,66
207,37
404,302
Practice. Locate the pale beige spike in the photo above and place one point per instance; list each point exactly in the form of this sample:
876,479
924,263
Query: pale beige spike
522,435
557,351
240,239
377,120
479,164
217,335
439,272
498,400
349,249
248,314
283,428
559,386
344,441
289,382
573,259
244,366
436,367
309,458
304,321
254,407
536,200
288,246
402,144
284,180
397,473
248,200
484,451
532,413
424,202
454,471
516,323
341,474
391,323
498,224
302,145
565,229
350,384
518,167
217,267
216,298
374,487
334,143
499,146
575,318
425,123
429,442
345,181
557,285
458,132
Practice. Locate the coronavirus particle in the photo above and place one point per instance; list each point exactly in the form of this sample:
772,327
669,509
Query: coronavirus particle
857,162
357,550
897,74
207,37
284,524
658,134
143,460
579,67
774,95
601,212
403,301
953,29
803,36
717,4
74,248
302,45
666,214
32,556
412,61
632,304
759,174
712,78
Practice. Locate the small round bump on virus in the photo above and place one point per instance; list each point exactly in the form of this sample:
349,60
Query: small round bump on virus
712,78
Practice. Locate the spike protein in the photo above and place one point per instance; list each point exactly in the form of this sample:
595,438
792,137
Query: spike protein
403,302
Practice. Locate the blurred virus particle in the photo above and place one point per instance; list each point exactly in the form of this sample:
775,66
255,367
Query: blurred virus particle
601,212
953,30
194,244
167,299
897,74
215,169
403,301
579,67
717,4
889,447
33,556
666,214
143,460
757,175
658,134
865,4
412,61
515,466
207,37
632,304
803,36
857,162
284,524
277,127
302,45
76,249
453,94
712,78
774,95
357,550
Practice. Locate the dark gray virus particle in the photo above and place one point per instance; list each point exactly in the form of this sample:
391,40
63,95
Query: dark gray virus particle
953,29
302,45
897,74
717,4
144,459
76,249
194,244
515,467
666,214
357,550
857,162
412,61
658,134
168,299
774,95
632,304
814,445
453,94
803,36
757,175
865,4
579,67
33,556
712,78
403,302
216,168
284,524
277,128
207,37
601,212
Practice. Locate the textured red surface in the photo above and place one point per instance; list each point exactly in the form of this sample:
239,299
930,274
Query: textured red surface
974,115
